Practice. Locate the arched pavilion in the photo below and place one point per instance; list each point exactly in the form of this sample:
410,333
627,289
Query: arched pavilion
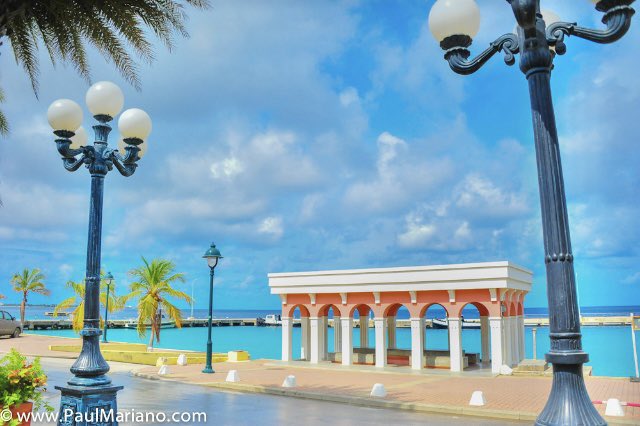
496,289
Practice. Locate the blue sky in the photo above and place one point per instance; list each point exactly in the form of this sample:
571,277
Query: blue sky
326,135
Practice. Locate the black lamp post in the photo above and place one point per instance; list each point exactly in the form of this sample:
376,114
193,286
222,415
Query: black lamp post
212,256
90,390
454,23
108,279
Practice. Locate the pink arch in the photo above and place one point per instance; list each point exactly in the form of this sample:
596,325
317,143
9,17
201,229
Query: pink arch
481,307
324,310
424,309
304,312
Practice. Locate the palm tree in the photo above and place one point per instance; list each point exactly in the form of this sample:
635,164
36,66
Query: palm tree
116,303
29,281
64,27
153,286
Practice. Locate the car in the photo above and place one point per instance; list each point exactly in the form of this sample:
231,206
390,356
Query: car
9,325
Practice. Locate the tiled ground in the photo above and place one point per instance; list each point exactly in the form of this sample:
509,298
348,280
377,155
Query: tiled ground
504,393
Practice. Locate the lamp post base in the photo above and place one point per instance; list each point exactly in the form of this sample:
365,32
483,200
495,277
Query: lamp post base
569,402
88,405
208,370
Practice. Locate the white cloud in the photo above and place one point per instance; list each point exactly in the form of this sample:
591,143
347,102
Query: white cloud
272,226
417,234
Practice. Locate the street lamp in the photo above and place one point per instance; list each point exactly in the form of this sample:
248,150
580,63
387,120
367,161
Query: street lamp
212,256
90,389
454,23
108,279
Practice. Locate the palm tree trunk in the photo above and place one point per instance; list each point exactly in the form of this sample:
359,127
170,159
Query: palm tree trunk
23,307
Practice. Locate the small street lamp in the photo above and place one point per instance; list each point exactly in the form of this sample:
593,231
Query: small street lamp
212,256
108,279
454,23
90,389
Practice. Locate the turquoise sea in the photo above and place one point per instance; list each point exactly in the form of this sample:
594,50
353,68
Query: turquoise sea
609,348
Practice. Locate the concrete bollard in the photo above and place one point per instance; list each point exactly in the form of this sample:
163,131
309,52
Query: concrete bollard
161,361
378,391
614,408
182,359
477,399
289,382
164,370
233,376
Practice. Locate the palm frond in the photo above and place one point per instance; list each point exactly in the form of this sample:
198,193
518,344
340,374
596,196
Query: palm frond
65,26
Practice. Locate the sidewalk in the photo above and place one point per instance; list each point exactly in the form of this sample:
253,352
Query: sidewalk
507,397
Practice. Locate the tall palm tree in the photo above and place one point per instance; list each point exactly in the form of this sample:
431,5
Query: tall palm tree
152,287
65,26
116,303
29,281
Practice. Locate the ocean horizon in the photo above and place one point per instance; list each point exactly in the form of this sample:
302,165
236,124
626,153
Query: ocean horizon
435,311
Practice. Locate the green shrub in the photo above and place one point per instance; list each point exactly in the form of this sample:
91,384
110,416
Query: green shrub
21,381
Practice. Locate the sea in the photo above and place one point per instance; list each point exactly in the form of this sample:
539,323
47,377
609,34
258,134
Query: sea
610,348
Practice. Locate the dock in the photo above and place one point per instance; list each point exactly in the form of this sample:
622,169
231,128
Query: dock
65,323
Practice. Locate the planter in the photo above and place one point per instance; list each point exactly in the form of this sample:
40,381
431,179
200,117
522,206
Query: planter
22,409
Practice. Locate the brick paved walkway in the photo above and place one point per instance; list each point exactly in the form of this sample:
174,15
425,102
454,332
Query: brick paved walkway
521,396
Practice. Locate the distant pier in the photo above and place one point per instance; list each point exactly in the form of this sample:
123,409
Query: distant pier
65,323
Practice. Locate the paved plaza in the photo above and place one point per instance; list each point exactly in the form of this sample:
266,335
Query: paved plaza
430,391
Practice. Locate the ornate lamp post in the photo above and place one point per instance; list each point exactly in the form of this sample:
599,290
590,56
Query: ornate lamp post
454,24
90,389
212,256
108,279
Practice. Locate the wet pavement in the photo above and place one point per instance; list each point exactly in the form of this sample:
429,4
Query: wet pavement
232,408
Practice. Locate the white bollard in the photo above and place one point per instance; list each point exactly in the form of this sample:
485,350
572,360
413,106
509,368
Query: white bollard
182,359
233,376
614,408
161,361
378,391
477,399
289,382
505,370
164,370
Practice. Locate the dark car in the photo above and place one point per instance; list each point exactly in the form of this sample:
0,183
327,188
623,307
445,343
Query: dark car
9,325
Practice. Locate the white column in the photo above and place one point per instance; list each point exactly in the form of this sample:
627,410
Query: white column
364,331
337,335
484,339
305,340
347,340
322,327
417,343
506,345
455,344
391,326
515,340
496,344
287,335
314,322
381,341
521,336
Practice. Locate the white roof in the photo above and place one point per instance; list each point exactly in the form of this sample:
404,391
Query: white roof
413,278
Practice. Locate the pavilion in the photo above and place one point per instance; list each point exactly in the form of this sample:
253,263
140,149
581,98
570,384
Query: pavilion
496,289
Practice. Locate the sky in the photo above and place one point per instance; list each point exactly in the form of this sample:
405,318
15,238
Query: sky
331,135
